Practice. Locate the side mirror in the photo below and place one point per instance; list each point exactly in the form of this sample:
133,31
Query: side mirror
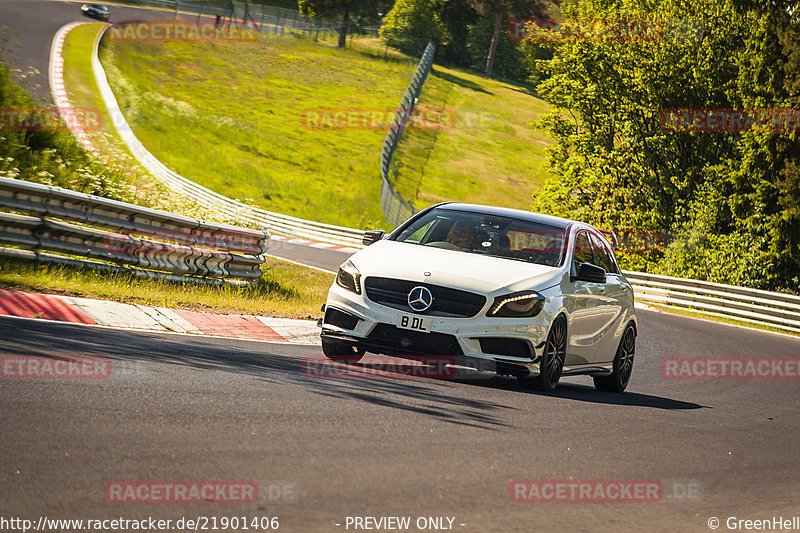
371,237
591,273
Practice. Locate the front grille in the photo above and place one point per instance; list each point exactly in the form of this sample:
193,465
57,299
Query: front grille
393,339
446,301
505,346
340,318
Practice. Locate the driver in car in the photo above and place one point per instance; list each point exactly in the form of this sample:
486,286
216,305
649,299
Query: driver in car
461,235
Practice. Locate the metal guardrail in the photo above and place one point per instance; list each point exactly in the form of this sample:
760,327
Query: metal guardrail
395,208
45,201
754,306
197,248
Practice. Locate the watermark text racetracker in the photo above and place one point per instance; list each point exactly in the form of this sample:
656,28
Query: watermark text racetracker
381,118
616,30
780,120
62,367
605,491
50,118
730,368
160,30
412,367
197,523
199,492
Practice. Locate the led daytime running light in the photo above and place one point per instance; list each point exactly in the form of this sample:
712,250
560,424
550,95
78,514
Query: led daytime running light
512,299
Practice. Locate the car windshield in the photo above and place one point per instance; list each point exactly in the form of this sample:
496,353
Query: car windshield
497,236
99,7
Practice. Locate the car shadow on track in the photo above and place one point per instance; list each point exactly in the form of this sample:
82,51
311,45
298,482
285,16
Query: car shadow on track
586,393
139,357
136,355
398,385
399,372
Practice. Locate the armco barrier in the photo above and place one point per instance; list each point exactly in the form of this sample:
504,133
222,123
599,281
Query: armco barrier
45,201
192,247
755,306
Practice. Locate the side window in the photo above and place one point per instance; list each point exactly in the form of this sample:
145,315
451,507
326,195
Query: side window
583,250
417,236
602,255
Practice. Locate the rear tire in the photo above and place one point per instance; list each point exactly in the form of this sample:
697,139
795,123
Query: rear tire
341,352
623,364
552,363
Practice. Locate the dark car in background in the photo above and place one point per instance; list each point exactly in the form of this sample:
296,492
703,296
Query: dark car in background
97,11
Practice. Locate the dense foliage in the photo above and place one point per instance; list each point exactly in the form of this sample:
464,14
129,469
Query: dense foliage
727,202
463,31
347,13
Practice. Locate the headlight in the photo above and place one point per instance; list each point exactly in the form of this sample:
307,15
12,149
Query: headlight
517,304
349,277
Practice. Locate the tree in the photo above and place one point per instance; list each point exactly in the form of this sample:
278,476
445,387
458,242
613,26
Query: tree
767,174
729,198
500,10
411,24
350,11
457,17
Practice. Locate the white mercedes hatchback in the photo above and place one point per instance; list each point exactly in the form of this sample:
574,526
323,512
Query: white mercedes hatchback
515,292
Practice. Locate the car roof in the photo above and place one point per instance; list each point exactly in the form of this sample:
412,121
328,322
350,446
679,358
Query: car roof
528,216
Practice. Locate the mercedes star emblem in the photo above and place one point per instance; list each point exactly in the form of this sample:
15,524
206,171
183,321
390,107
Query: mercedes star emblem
420,299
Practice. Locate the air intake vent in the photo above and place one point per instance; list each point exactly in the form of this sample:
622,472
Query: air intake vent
505,346
344,320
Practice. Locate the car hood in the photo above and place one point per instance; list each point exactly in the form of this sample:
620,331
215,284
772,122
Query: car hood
452,268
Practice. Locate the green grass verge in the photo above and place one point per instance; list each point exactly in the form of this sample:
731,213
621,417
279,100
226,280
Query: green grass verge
284,290
83,93
480,146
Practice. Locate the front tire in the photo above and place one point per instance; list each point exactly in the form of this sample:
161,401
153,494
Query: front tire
552,363
623,364
341,352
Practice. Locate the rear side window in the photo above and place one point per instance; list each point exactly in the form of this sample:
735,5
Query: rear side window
602,254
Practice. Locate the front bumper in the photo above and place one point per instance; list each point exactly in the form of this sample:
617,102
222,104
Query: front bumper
473,342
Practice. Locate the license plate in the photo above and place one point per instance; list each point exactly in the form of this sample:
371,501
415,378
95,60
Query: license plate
414,323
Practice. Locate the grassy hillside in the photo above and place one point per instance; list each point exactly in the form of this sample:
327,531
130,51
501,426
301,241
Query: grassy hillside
233,116
83,94
483,151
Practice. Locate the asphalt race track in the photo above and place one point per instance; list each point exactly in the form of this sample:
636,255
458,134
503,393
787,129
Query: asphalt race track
319,258
178,407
